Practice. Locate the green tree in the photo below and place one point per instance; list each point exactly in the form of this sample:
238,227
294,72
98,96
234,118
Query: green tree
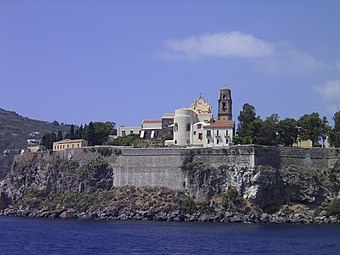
129,140
253,131
89,134
102,131
287,132
96,133
48,139
325,130
59,136
79,133
266,131
310,128
71,134
246,117
334,134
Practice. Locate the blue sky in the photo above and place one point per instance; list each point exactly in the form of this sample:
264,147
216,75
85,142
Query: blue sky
125,61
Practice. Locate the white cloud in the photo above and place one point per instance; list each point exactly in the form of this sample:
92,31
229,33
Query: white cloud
330,94
329,91
268,56
219,45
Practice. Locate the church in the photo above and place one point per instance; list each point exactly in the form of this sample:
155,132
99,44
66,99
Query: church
195,126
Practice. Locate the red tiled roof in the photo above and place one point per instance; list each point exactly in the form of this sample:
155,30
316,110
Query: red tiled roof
221,124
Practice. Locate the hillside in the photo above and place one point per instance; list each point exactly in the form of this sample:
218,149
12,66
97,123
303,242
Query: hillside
15,130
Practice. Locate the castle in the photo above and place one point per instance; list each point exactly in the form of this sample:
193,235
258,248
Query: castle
192,126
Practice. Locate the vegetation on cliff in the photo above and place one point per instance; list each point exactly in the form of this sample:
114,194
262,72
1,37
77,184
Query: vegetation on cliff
14,132
272,131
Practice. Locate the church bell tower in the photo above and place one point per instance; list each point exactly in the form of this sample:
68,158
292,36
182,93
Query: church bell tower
225,105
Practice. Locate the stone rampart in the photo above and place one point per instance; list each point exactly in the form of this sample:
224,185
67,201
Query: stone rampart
164,166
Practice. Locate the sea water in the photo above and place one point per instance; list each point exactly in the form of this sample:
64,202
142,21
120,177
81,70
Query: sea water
46,236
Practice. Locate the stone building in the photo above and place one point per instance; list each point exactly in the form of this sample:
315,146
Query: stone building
124,131
150,129
195,126
69,144
219,133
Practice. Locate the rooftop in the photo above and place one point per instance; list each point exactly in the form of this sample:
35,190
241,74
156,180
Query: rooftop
221,124
70,141
151,121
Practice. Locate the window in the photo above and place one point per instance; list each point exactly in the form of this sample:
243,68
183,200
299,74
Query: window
175,141
142,134
223,105
131,132
200,136
199,126
208,132
176,127
194,132
123,133
224,97
208,141
226,133
188,127
218,132
217,141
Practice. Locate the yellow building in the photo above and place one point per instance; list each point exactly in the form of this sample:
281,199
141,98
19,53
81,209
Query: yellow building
69,144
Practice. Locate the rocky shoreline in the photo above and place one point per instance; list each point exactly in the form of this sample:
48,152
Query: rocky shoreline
49,186
176,216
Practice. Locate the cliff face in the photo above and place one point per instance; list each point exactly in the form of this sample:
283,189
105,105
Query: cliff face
14,132
267,187
57,174
202,175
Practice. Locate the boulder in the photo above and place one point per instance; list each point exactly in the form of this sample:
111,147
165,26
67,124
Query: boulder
323,213
69,214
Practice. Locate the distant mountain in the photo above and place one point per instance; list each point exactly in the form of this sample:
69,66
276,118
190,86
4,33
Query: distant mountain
15,130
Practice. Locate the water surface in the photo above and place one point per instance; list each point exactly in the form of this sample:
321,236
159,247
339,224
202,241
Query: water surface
46,236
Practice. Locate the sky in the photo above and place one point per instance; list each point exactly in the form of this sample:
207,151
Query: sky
77,61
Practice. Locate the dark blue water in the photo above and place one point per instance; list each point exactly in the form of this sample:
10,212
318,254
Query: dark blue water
42,236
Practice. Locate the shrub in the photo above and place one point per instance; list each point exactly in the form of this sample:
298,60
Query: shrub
334,207
105,151
188,205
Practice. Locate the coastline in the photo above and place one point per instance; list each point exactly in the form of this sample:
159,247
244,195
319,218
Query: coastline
128,214
175,216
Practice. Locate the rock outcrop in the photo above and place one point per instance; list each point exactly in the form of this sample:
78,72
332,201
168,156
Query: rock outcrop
80,184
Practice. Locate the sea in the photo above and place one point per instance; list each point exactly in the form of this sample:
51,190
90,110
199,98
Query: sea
55,236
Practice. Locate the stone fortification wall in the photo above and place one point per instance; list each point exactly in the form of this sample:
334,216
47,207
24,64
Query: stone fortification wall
279,157
150,167
268,176
164,166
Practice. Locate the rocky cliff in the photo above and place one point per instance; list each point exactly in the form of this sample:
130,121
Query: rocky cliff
249,184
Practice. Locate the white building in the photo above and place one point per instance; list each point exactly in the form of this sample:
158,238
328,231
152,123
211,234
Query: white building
124,131
219,133
151,128
195,126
